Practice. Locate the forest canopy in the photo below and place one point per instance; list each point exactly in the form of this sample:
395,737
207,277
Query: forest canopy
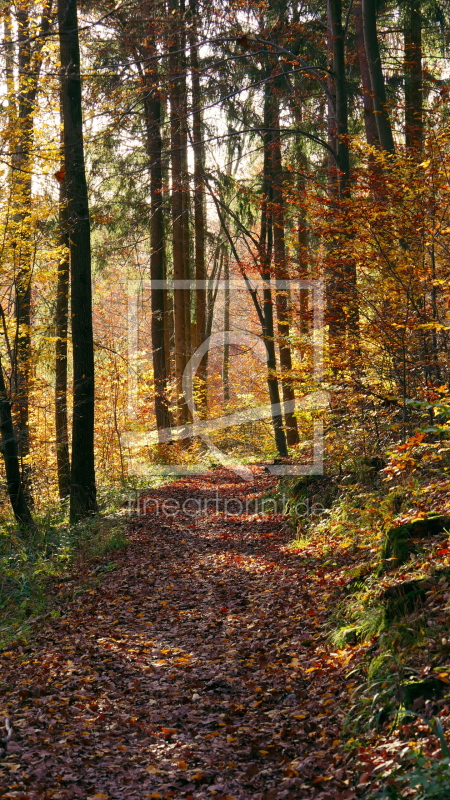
258,195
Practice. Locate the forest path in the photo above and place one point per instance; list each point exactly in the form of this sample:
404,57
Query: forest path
197,668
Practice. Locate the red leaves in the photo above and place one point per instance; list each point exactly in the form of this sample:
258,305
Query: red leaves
60,175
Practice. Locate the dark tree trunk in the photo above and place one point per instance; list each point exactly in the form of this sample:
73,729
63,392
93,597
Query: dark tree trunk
302,224
183,105
281,273
265,248
226,334
178,232
332,176
21,174
341,286
340,88
10,454
153,112
376,76
82,489
370,122
61,331
199,208
413,76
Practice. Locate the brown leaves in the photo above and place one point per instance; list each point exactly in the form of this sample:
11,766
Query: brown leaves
226,688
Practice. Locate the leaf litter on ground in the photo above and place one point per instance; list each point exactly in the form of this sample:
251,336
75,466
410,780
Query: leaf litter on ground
198,668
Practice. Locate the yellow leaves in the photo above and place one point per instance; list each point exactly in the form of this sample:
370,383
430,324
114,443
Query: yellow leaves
425,164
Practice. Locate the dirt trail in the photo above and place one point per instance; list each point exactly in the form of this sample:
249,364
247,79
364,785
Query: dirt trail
197,668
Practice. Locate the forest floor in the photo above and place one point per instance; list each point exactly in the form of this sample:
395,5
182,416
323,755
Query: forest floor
194,665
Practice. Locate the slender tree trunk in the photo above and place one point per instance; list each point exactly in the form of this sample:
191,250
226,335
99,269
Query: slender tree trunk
82,489
61,332
178,229
199,208
21,176
340,87
413,76
153,110
342,292
302,224
226,334
376,76
10,454
332,176
184,124
266,246
281,273
370,122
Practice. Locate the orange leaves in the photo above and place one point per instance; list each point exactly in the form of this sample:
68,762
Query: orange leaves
60,175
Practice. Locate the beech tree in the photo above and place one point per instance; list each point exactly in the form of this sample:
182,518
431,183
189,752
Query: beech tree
82,473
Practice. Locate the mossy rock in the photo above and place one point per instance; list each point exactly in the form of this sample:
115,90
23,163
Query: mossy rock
415,693
401,541
403,598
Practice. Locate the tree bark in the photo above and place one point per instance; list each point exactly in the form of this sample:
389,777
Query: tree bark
153,112
183,106
341,288
370,123
413,76
61,332
82,489
199,208
376,76
226,334
10,454
178,232
265,248
21,176
281,272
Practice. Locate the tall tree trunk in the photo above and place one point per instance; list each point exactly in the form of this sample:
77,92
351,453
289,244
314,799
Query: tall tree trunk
302,224
199,207
226,334
82,489
370,122
184,124
376,76
265,248
10,454
21,176
340,88
281,271
332,176
341,290
178,230
413,76
61,332
153,111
